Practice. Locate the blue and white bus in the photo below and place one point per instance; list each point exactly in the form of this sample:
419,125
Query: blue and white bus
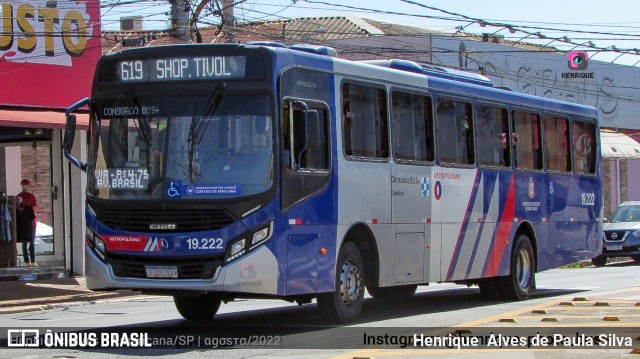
217,172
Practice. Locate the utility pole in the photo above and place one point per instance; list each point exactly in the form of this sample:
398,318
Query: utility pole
229,20
180,22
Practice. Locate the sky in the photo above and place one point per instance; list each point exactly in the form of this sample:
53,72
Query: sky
564,24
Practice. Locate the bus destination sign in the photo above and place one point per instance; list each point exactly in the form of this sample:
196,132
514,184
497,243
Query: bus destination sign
181,68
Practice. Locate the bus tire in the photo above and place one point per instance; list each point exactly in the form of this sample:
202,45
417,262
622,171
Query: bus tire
599,261
399,293
490,288
520,282
345,302
202,307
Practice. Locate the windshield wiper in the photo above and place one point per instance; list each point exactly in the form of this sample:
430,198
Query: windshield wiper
199,126
143,126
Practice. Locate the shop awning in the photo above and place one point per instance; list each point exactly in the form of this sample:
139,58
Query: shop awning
616,145
39,119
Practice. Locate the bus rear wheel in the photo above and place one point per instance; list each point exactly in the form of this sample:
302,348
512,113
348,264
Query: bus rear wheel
519,284
202,307
345,302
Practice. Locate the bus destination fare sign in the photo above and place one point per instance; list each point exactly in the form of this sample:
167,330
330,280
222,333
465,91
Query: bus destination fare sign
181,68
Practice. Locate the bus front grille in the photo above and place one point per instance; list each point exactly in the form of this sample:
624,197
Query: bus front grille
127,266
160,220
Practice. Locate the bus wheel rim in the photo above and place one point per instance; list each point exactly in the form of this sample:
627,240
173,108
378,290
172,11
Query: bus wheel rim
523,268
349,283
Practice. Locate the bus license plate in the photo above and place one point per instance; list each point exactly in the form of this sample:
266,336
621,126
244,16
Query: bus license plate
614,248
162,272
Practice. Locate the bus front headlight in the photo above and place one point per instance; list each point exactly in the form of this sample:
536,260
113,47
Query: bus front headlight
101,248
96,244
236,250
245,244
261,235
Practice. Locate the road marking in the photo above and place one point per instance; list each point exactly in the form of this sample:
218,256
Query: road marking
583,312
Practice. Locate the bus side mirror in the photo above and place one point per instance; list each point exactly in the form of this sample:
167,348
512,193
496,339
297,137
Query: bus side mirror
70,133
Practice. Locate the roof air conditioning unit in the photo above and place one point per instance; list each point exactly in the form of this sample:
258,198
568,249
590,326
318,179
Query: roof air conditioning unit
131,23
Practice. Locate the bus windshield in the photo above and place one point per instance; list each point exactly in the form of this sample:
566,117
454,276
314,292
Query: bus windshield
181,147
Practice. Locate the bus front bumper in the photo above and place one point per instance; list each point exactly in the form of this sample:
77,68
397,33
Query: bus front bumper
257,273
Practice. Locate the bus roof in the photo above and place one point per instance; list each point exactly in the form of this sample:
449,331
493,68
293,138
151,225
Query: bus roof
433,70
440,79
423,76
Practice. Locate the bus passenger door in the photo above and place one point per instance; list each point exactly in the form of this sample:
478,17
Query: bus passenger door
306,194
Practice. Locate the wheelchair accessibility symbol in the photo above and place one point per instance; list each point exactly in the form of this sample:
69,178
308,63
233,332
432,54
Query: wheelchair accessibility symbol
173,189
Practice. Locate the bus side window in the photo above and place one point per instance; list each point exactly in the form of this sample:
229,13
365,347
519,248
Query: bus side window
455,131
504,126
492,126
316,155
412,127
584,147
286,134
310,141
527,154
365,121
556,133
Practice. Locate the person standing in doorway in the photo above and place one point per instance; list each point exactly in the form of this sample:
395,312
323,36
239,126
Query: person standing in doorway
26,222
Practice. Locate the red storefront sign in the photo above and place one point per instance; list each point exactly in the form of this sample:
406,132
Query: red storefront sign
48,51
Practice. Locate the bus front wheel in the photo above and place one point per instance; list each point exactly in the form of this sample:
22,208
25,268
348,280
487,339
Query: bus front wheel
519,284
345,302
202,307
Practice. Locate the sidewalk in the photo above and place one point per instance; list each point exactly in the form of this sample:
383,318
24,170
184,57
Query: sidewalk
42,290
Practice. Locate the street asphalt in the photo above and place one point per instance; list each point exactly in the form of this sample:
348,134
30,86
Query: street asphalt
24,290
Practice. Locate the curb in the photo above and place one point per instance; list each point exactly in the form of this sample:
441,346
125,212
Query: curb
42,307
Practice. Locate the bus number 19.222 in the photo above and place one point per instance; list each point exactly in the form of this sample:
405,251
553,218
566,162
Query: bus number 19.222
204,243
588,199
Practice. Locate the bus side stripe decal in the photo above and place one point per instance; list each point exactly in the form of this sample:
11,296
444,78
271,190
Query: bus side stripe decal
502,235
475,247
489,183
465,223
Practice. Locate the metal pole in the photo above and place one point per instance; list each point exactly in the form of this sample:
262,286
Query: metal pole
180,22
618,186
229,20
